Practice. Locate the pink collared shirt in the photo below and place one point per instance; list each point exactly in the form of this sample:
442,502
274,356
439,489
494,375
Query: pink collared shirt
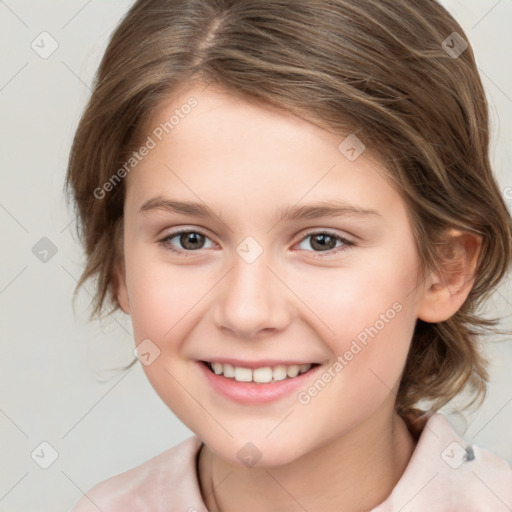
444,474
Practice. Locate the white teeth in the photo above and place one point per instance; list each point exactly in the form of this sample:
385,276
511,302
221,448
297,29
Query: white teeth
260,375
304,368
229,371
279,373
243,374
292,371
217,368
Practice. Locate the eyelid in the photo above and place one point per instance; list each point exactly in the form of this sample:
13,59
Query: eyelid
167,246
326,231
347,242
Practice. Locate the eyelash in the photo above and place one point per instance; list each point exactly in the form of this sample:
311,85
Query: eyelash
347,244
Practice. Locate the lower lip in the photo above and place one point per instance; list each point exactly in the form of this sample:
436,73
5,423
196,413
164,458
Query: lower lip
252,393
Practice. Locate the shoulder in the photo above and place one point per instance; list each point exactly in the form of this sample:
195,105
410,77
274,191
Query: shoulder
170,475
447,473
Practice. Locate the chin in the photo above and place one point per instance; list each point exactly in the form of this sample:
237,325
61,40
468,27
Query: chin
262,454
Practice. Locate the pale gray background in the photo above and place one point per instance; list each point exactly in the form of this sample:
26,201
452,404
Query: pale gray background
51,360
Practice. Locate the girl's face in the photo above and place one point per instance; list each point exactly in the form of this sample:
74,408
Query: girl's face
306,256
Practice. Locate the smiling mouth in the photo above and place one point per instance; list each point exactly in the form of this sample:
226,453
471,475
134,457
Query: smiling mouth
263,375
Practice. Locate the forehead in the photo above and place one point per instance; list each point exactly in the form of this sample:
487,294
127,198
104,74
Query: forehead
197,114
209,143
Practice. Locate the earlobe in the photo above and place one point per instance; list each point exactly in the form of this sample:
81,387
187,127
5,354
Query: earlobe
447,288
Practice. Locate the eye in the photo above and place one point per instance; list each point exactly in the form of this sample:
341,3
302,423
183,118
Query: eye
325,241
190,240
320,242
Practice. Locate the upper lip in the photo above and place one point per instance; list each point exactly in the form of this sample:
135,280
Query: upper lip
257,364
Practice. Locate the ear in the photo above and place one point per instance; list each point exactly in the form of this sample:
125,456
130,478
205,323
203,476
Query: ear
447,288
121,291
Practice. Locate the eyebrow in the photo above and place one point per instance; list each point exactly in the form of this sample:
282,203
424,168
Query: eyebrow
333,208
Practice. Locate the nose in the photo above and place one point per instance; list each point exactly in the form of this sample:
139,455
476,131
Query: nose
251,300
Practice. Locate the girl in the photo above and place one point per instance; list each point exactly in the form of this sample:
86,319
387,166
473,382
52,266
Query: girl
294,203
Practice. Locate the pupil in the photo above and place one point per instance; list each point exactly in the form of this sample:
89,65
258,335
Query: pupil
188,239
321,239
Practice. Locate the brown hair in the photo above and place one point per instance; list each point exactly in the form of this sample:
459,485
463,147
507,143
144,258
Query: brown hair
381,69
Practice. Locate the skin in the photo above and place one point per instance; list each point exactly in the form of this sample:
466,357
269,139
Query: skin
347,448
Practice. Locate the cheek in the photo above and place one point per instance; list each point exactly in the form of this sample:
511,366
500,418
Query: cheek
367,318
376,326
161,294
347,301
162,300
368,356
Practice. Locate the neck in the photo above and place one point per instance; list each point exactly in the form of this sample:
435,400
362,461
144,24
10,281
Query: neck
354,472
